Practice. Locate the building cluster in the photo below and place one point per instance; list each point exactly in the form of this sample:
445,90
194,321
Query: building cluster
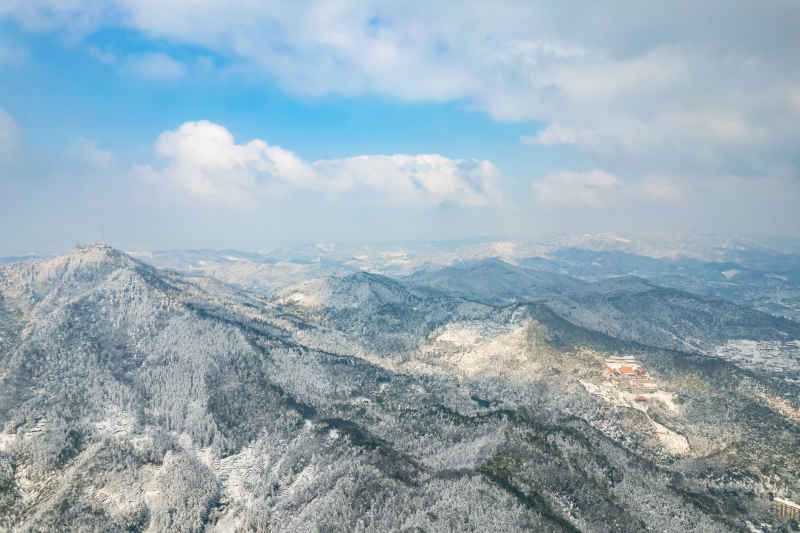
630,375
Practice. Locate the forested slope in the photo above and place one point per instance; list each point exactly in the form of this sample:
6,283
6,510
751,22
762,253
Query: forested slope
132,399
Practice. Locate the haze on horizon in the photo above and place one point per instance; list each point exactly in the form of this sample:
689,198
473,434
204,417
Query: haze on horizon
178,124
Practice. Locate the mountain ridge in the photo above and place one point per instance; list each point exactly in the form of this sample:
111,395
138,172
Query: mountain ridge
136,399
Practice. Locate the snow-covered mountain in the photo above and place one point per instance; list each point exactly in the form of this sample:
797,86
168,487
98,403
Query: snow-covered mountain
760,273
496,281
139,399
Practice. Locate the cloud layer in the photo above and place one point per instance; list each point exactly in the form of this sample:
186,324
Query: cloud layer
204,164
577,189
595,189
644,114
709,88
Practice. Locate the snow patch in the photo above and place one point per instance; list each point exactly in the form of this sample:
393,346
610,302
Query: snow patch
117,422
6,440
672,442
730,273
473,348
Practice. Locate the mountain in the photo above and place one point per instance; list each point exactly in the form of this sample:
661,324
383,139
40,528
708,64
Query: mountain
494,281
697,246
633,308
596,265
761,274
767,281
616,286
367,313
138,399
503,350
18,259
253,271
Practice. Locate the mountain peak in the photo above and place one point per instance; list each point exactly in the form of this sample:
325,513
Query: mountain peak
83,261
58,279
353,290
97,253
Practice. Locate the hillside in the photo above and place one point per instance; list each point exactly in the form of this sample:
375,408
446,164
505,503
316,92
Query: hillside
718,411
769,282
674,319
135,399
495,281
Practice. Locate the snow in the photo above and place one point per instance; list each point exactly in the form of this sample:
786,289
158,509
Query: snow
672,442
752,528
473,348
118,422
6,440
730,273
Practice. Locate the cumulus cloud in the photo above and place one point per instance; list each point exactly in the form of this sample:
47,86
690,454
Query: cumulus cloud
204,164
636,86
427,179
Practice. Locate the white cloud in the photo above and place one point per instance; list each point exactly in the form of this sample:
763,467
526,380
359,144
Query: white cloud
204,164
155,66
600,189
552,134
427,179
77,17
87,153
658,189
10,137
634,85
592,189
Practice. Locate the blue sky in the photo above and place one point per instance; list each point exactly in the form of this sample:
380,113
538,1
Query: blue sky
183,123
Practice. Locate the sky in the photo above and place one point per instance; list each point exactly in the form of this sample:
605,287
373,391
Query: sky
243,124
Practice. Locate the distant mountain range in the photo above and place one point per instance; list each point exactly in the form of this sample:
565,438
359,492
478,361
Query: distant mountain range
474,397
764,274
